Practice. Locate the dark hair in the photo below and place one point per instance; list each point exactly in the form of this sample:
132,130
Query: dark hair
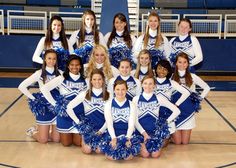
165,64
120,82
71,58
94,28
49,36
186,20
44,74
126,34
125,60
105,93
188,77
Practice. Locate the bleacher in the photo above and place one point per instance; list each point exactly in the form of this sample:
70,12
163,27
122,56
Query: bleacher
218,16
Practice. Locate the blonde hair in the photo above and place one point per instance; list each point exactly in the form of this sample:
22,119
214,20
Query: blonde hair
137,72
106,65
159,38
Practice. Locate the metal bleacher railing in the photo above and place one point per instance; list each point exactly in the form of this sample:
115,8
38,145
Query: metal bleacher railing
34,22
230,26
205,25
2,22
169,23
72,20
28,22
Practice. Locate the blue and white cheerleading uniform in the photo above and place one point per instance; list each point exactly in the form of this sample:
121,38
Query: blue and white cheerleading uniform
118,49
68,88
134,86
120,120
94,112
85,49
148,106
168,88
62,54
189,45
185,122
44,113
142,73
157,54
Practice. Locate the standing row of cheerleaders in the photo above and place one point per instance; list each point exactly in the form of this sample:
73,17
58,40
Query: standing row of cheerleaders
119,42
116,114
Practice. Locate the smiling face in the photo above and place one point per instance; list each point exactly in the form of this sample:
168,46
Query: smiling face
119,25
153,22
99,55
120,91
148,85
51,59
89,21
125,68
97,81
74,67
56,26
161,71
184,28
144,60
182,63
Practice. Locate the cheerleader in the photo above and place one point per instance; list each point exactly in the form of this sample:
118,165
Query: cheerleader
120,41
55,39
45,116
93,100
120,117
87,36
185,123
169,88
143,66
100,60
134,85
153,128
70,84
153,40
186,43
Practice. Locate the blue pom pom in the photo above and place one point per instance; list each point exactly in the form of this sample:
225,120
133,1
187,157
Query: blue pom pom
84,126
39,106
63,56
61,105
84,52
196,100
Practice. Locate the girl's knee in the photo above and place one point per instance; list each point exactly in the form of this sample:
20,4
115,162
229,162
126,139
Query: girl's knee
86,150
145,154
156,154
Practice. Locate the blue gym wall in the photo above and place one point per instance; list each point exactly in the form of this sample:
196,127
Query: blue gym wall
16,52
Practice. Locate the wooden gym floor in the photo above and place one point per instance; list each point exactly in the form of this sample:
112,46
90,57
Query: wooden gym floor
213,141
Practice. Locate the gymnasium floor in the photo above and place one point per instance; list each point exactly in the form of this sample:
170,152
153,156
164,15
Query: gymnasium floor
213,141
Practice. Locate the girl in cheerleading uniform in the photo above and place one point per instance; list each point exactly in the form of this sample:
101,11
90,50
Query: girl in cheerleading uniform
100,60
120,41
134,85
186,121
55,39
87,36
93,99
153,40
153,128
70,84
120,117
143,66
167,87
186,43
45,115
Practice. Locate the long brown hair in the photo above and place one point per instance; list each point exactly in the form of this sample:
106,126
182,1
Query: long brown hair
137,72
159,38
49,35
105,93
188,77
44,74
126,34
82,29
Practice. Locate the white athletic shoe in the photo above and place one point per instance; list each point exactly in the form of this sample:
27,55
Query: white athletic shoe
31,131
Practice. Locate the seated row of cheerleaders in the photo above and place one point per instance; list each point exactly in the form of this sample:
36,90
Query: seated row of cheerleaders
121,113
